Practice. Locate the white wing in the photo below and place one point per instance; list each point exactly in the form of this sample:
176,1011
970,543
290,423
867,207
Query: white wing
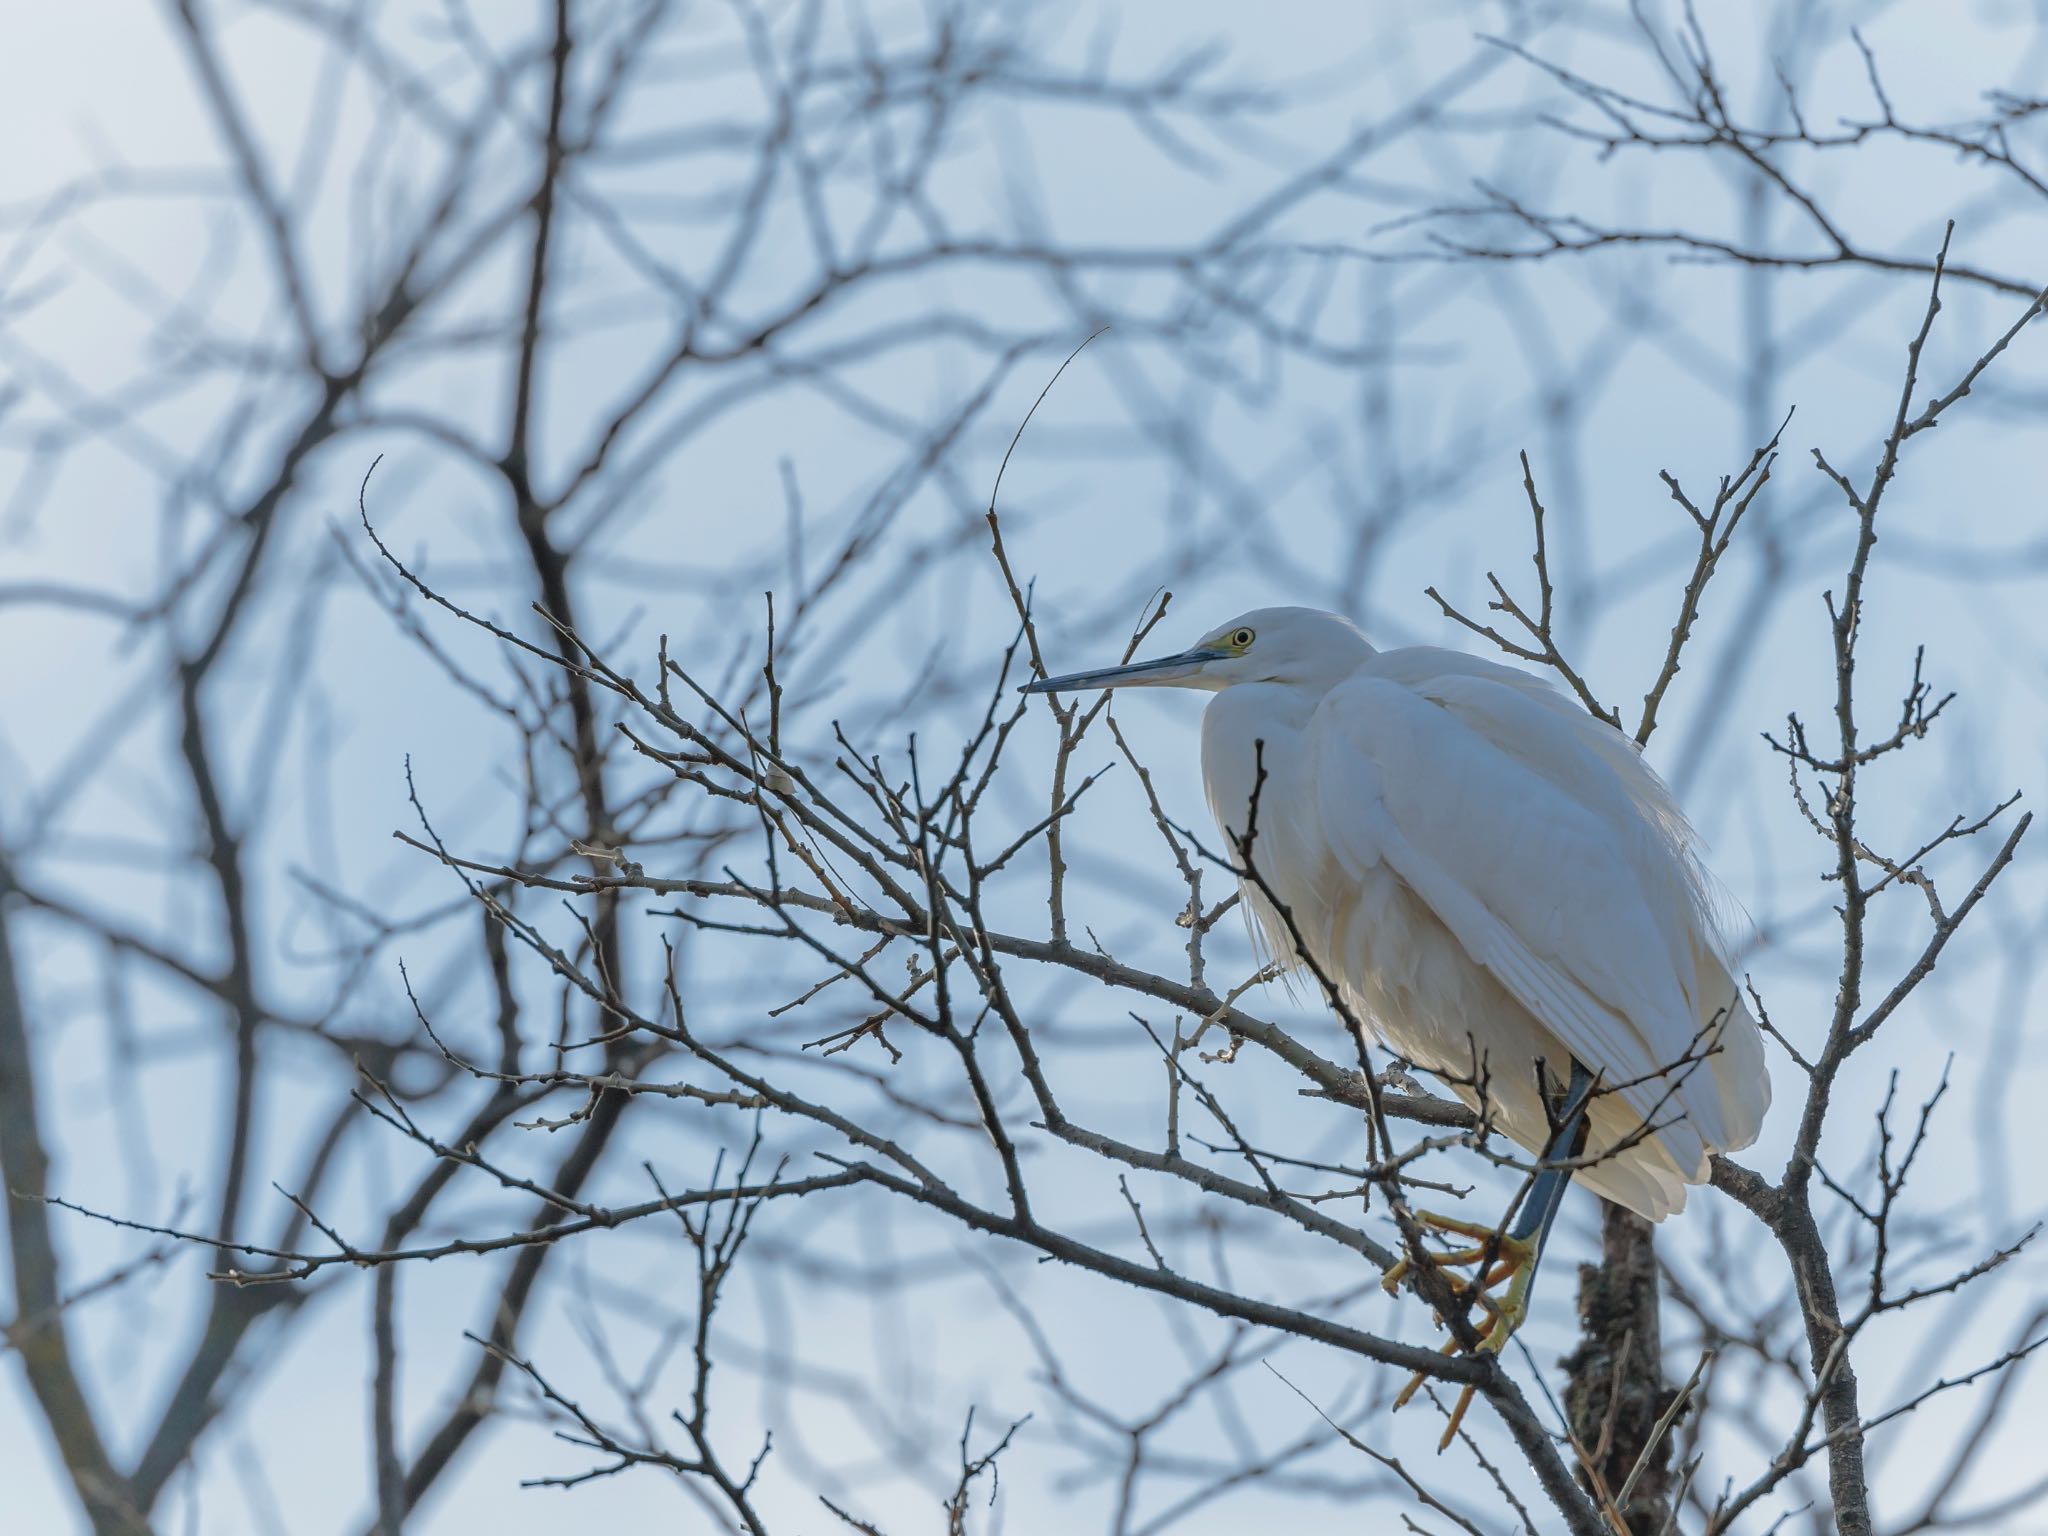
1557,862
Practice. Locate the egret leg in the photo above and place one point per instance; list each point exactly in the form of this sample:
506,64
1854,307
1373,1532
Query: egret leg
1511,1255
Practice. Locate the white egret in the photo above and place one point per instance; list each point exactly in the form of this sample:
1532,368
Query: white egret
1496,884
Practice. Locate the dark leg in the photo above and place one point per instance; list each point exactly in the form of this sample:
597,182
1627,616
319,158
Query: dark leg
1566,1142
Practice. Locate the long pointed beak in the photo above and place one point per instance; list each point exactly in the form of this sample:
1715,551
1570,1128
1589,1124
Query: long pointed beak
1163,671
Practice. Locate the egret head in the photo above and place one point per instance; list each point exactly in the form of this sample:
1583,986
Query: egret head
1301,647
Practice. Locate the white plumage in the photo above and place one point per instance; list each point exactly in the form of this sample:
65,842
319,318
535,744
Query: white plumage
1492,877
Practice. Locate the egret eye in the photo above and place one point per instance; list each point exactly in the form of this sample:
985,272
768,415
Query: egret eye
1242,638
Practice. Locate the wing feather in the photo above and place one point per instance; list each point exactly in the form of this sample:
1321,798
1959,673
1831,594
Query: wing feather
1532,852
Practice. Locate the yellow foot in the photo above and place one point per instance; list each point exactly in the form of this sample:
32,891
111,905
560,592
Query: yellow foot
1494,1256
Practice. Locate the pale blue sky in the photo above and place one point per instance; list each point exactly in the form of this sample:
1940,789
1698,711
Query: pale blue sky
1094,518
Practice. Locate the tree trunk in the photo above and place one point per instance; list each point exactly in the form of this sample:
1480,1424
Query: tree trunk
1616,1391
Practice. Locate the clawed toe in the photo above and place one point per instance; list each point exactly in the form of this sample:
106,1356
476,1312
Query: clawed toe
1494,1257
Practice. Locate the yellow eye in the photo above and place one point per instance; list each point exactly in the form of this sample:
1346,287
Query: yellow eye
1242,638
